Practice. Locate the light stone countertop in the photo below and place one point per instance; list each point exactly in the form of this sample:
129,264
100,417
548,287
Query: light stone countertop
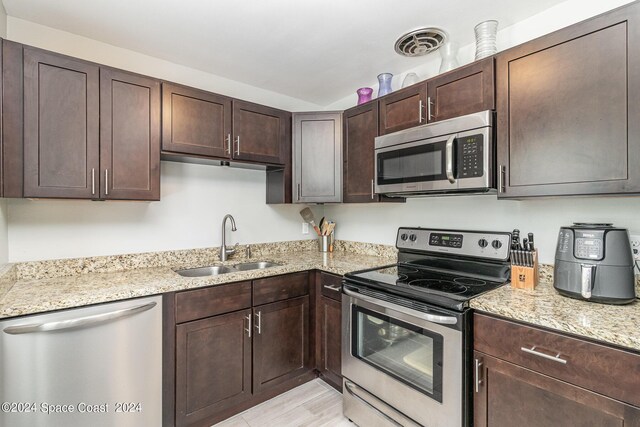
22,296
614,324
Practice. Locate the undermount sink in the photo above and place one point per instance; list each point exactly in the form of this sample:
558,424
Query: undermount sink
215,270
260,265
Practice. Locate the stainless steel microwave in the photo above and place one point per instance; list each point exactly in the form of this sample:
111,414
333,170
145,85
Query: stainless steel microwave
455,155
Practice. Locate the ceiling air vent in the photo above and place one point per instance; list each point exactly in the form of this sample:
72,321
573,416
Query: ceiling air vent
420,42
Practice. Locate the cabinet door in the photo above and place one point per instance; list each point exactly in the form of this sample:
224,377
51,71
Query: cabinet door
213,365
61,119
280,342
195,121
403,109
129,136
317,151
330,364
462,91
259,133
567,107
509,395
360,131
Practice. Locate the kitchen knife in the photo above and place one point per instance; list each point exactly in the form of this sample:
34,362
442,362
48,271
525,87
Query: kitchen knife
531,247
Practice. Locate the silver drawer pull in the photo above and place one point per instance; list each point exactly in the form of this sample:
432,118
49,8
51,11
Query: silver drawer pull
332,288
248,328
533,351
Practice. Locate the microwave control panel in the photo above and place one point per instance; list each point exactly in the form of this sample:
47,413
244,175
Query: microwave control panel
470,156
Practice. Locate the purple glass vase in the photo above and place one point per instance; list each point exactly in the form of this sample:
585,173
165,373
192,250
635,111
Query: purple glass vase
364,95
384,80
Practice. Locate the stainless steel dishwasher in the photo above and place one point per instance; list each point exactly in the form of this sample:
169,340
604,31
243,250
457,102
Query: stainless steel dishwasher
99,365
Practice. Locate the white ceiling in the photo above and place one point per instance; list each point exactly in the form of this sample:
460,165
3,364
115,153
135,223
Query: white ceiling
315,50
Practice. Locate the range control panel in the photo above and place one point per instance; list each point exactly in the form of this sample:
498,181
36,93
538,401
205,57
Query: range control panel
493,245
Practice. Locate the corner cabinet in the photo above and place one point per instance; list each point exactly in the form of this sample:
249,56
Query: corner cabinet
567,107
317,157
90,132
529,377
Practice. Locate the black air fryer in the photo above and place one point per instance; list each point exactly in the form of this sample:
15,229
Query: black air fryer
594,263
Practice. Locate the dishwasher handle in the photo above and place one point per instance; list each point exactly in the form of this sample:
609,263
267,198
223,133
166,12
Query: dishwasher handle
78,323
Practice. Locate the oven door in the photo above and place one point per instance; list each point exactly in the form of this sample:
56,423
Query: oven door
417,166
408,361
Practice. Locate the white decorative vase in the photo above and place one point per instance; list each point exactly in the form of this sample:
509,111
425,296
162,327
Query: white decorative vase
486,39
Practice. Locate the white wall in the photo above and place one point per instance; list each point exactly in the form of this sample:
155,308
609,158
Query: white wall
555,18
4,244
379,223
194,200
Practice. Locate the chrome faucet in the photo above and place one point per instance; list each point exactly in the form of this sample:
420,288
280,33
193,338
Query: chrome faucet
224,252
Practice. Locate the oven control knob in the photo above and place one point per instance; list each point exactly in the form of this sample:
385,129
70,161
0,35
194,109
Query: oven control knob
404,237
497,244
413,237
483,243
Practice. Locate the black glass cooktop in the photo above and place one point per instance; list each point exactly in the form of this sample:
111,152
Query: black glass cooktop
451,289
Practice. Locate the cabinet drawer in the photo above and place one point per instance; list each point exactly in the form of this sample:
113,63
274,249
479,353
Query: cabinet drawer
597,367
201,303
331,286
280,288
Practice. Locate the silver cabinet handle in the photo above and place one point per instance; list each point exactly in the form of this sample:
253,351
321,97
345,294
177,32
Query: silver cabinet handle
106,182
429,103
533,351
449,159
238,145
332,288
434,318
501,176
372,193
420,108
259,325
298,192
351,388
248,328
81,322
228,144
478,379
93,181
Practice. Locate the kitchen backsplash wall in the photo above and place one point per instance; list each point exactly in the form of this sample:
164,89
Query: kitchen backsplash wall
4,244
544,217
195,198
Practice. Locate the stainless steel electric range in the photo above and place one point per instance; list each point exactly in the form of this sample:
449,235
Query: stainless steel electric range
406,335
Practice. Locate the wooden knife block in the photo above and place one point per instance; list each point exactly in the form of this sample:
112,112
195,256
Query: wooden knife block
525,277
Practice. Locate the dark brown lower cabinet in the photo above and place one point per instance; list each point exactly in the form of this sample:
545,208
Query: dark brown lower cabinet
280,342
213,365
510,395
330,363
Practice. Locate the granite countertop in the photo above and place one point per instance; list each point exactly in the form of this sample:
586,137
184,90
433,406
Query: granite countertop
614,324
31,291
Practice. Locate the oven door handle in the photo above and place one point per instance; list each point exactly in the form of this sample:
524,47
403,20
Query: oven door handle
433,318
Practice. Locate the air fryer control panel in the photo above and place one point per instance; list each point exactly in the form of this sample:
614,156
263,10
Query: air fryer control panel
588,244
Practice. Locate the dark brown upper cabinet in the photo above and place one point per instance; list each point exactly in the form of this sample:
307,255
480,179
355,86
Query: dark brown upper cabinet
12,141
568,105
462,91
129,136
259,133
90,132
403,109
360,130
61,126
195,121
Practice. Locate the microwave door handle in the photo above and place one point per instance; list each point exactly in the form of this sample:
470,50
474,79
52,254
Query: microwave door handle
449,159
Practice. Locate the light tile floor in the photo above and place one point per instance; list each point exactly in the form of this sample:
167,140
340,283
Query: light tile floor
314,404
